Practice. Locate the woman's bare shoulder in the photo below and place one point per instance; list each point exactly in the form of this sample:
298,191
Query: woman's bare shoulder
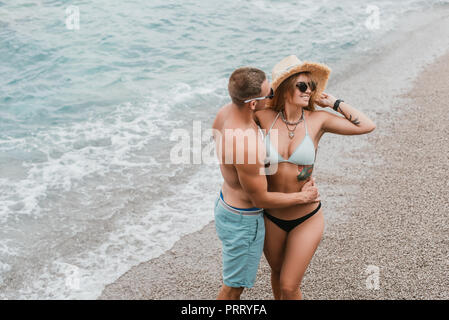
318,118
319,115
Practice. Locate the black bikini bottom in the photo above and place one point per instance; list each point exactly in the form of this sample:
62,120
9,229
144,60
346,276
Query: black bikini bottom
288,225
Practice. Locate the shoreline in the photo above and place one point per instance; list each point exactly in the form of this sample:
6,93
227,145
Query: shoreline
363,210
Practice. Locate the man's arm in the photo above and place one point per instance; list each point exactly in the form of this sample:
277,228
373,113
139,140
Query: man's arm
255,185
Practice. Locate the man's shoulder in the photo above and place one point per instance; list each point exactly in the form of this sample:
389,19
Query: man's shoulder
221,116
229,120
224,108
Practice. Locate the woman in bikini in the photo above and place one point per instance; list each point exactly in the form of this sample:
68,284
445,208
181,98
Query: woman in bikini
293,130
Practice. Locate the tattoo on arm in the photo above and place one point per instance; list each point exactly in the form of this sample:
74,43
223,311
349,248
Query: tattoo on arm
354,121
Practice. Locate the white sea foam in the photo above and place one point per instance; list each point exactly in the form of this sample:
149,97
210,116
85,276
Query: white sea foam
75,151
135,239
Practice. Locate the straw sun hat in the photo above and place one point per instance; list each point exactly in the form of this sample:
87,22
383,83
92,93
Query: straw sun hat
288,66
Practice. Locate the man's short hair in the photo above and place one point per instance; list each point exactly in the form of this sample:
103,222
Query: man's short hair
245,83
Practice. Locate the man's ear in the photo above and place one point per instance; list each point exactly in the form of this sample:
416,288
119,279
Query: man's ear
252,105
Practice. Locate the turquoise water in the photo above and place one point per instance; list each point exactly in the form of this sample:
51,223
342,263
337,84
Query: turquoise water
86,117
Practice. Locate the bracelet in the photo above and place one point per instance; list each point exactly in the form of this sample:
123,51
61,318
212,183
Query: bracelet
337,103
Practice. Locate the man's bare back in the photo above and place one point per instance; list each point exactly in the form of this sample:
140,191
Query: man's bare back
229,120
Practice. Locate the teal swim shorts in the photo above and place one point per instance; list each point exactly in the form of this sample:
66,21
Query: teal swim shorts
242,233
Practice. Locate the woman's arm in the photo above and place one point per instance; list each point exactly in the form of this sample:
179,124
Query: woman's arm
353,121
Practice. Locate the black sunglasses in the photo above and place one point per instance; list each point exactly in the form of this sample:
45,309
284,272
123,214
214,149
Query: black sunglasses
302,86
270,96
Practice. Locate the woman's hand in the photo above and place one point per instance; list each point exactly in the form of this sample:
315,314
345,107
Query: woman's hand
325,100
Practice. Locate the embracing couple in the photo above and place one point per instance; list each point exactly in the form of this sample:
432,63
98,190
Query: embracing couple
269,201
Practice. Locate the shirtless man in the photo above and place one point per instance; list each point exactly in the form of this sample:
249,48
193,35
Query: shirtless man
238,209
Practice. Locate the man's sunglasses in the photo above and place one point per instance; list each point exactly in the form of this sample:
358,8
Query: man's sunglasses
302,86
270,96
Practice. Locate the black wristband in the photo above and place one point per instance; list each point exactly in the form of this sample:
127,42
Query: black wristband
337,103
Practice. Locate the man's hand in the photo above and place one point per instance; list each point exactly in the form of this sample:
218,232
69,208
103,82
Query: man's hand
310,191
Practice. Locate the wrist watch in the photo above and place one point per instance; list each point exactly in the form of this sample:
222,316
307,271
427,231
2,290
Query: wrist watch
337,103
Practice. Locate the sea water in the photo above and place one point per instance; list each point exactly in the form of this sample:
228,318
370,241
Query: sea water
91,94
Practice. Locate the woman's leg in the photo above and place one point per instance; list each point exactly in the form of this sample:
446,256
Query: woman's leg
301,244
274,246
